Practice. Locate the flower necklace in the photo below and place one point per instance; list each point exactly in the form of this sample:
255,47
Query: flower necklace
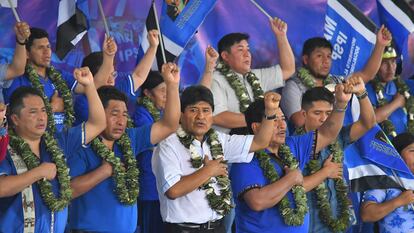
62,89
32,161
403,89
341,223
150,106
125,178
309,80
292,217
238,87
220,203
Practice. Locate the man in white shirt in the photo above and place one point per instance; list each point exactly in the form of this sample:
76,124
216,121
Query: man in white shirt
190,166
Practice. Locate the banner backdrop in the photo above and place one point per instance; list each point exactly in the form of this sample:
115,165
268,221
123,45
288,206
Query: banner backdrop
127,18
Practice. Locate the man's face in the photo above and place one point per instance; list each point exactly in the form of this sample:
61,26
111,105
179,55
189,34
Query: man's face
239,58
40,53
387,69
279,131
116,120
31,123
158,95
408,156
319,62
316,115
197,119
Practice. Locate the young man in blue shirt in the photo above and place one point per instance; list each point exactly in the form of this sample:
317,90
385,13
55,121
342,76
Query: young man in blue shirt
35,168
105,174
263,205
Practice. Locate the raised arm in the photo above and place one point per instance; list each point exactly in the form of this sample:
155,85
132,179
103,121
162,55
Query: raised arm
211,56
170,120
369,71
262,139
96,121
286,57
16,68
144,66
109,49
328,132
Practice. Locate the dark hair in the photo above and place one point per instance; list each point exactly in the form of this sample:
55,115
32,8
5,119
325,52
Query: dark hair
316,94
254,113
93,61
154,79
401,141
229,40
107,93
35,33
194,94
313,43
16,99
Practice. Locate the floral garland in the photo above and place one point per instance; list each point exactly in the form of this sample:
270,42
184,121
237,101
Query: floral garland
309,80
292,217
32,161
63,90
341,223
150,106
403,89
238,87
220,203
125,178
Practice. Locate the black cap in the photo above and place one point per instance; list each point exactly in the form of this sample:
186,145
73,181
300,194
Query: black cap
153,80
401,141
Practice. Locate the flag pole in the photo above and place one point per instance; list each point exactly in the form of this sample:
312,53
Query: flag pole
261,9
164,59
103,18
16,16
401,184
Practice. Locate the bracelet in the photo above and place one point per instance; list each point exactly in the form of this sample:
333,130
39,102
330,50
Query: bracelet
20,43
271,117
336,109
363,95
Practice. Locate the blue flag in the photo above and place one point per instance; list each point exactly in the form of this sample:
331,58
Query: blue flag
352,35
398,17
376,164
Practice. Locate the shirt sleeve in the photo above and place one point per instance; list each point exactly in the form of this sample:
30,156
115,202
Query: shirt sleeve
246,176
140,138
166,166
6,167
371,94
270,78
126,85
236,148
375,195
77,164
72,140
142,117
302,147
219,95
70,80
291,98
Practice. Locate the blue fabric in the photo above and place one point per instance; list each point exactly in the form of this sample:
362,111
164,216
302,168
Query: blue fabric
401,220
147,183
150,220
246,175
316,225
11,210
398,117
48,88
99,210
81,105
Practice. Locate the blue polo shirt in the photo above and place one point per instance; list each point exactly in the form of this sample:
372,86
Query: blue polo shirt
49,90
11,209
147,183
99,210
398,117
316,225
245,176
81,106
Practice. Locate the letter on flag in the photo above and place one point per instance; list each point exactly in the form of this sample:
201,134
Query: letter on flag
179,21
398,17
72,25
351,34
377,164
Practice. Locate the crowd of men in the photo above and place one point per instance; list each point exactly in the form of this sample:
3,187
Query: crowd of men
245,150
